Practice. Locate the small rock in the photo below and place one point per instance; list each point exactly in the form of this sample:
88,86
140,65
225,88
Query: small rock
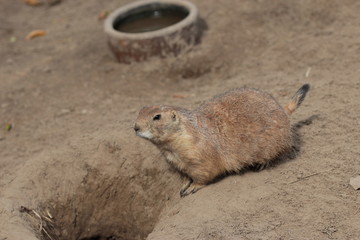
355,182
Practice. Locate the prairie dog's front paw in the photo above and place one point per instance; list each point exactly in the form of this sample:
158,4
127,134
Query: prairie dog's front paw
190,188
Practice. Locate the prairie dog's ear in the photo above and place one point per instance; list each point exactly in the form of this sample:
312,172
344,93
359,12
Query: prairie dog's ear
174,116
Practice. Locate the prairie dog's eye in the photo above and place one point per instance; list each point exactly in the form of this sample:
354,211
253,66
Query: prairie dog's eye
157,117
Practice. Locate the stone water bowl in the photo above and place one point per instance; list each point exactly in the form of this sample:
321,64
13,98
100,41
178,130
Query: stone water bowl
152,28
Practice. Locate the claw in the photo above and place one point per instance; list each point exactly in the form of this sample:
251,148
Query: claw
190,189
185,187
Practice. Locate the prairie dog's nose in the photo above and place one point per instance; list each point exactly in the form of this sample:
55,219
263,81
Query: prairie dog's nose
136,127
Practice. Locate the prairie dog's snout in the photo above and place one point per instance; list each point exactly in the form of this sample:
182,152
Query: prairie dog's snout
136,127
144,134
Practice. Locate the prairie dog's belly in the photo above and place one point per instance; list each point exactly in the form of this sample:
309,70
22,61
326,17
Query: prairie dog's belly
173,159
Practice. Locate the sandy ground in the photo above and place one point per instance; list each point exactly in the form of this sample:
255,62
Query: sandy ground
72,157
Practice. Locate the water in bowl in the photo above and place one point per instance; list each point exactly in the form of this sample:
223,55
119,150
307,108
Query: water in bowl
150,19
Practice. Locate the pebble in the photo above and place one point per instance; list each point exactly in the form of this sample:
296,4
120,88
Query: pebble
355,182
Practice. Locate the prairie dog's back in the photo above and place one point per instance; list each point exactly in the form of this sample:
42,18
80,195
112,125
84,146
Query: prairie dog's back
247,123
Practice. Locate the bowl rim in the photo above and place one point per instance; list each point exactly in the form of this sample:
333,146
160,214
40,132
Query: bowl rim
188,20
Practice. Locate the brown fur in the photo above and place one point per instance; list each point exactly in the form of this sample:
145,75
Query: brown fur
239,128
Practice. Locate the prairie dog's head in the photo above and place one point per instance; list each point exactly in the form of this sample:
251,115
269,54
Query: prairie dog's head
157,123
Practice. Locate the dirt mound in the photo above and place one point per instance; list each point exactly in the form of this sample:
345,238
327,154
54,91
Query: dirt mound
106,190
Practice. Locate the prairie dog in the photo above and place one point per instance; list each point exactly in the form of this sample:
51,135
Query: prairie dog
233,130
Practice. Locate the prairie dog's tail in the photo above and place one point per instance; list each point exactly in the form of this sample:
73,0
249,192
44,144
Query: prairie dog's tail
297,99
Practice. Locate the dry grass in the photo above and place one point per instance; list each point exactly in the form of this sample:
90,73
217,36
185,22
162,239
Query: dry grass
42,221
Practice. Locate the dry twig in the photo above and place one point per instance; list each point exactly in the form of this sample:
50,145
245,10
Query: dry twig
308,176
